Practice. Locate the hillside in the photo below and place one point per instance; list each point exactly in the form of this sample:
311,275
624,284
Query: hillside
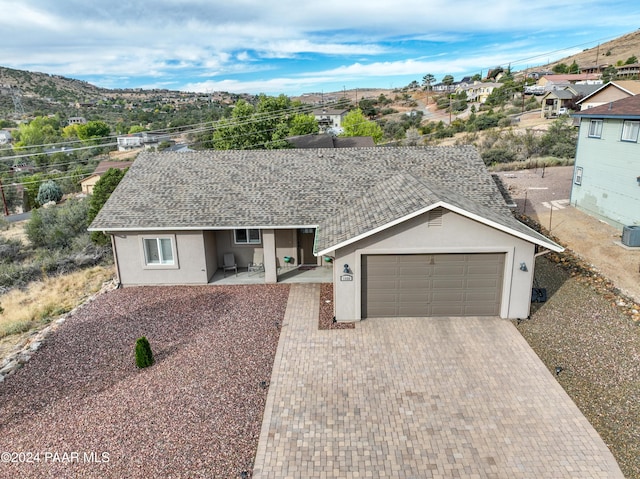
611,52
43,85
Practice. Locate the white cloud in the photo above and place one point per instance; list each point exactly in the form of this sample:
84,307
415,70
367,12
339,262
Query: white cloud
177,41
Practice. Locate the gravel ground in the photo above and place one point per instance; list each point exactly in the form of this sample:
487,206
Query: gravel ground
580,329
196,412
326,310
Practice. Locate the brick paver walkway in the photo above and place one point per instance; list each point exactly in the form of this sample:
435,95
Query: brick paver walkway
418,398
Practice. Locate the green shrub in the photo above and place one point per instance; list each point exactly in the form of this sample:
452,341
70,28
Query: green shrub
497,155
144,356
49,191
55,228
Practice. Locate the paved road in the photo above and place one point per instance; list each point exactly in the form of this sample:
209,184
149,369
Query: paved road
17,218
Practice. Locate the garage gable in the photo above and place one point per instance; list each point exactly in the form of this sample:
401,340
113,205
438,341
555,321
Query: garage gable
403,197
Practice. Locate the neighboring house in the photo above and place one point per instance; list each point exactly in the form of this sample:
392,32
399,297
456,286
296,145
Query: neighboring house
146,139
77,120
129,142
329,117
559,101
612,91
547,81
5,137
606,181
411,231
330,141
627,71
478,91
89,182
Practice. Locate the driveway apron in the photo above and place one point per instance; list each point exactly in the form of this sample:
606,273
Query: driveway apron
418,398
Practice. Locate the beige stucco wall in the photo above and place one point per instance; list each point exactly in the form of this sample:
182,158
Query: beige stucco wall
190,267
88,184
457,234
605,96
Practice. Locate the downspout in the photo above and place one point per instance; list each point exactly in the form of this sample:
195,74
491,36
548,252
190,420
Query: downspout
115,259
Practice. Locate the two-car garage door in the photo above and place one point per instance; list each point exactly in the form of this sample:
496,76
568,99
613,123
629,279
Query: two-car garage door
413,285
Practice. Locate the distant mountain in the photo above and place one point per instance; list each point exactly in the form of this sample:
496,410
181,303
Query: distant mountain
45,86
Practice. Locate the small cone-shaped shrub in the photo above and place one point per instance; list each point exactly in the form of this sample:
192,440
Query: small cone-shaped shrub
144,356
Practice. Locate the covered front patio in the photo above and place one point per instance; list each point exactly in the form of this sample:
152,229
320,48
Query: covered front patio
285,274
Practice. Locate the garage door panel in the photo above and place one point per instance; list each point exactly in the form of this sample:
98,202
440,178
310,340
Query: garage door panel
432,285
455,270
487,282
448,283
445,296
447,310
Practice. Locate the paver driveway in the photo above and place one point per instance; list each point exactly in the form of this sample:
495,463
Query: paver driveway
418,398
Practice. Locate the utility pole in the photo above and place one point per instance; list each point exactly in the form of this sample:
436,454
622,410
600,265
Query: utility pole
4,200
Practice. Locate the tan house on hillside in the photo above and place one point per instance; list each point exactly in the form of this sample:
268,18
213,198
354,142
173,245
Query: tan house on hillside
89,182
478,91
548,81
612,91
408,231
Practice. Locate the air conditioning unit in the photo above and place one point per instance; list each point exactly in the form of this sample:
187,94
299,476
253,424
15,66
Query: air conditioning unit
631,236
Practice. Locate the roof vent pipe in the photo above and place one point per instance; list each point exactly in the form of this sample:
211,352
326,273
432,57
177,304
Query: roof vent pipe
610,105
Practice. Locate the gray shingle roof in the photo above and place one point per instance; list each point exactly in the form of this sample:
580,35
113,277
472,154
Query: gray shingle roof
345,191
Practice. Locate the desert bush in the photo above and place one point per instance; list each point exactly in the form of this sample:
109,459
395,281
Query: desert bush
144,356
10,250
497,155
55,228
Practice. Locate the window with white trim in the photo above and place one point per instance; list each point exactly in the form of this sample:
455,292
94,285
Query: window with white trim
158,251
595,129
247,236
578,176
630,130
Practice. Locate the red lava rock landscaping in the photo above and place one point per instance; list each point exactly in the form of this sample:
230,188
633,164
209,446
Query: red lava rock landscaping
81,408
326,310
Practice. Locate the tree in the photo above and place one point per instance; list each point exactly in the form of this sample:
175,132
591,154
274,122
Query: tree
303,125
560,68
427,81
631,60
559,140
136,129
49,191
412,137
261,127
368,107
101,192
356,124
609,74
39,131
447,79
574,68
93,130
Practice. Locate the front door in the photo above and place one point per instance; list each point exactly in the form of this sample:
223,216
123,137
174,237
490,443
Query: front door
306,237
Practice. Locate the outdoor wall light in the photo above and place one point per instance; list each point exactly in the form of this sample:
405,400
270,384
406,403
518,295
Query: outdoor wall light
638,178
523,266
346,269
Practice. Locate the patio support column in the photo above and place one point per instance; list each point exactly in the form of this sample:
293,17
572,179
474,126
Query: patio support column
270,260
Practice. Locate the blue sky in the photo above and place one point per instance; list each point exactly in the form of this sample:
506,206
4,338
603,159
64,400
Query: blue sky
296,47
